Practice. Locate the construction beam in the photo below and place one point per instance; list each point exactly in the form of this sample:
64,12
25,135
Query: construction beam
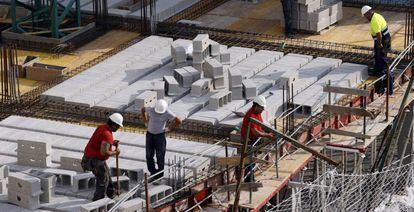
347,110
296,143
244,186
347,133
349,91
235,160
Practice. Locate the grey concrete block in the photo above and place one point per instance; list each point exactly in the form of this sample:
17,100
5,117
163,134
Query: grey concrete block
213,69
34,147
320,25
200,42
214,48
33,160
250,89
4,172
171,85
224,55
196,74
201,87
123,182
178,53
304,24
22,200
99,205
146,99
310,7
199,67
235,78
159,88
219,83
133,173
319,14
183,77
236,93
24,184
132,205
47,184
3,186
336,17
219,100
288,78
71,163
83,181
157,192
64,177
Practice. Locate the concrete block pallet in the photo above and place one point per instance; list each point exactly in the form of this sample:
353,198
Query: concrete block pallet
316,15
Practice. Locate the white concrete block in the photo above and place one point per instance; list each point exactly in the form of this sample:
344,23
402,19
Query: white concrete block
250,89
219,100
214,48
33,160
133,205
235,77
99,205
224,55
319,14
219,83
64,177
4,172
159,88
200,42
83,181
183,77
236,93
213,69
22,200
201,87
34,147
3,186
196,74
71,163
172,86
134,173
24,184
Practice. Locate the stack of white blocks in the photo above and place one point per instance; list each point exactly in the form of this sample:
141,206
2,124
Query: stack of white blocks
171,85
24,190
99,205
235,84
71,163
201,50
34,153
179,52
215,70
316,15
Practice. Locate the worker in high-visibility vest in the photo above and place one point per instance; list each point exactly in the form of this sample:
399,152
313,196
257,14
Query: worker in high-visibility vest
382,43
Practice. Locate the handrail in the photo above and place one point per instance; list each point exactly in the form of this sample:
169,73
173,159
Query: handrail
295,142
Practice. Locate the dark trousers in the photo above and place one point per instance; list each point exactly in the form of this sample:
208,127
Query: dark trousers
155,145
381,61
287,13
104,183
249,172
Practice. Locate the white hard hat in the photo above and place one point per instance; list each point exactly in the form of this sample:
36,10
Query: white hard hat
365,9
117,119
161,106
260,100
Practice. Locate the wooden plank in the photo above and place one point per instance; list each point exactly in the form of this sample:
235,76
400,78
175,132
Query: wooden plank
244,186
347,110
235,160
349,91
347,133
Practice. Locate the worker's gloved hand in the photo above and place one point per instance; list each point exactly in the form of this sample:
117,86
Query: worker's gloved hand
270,136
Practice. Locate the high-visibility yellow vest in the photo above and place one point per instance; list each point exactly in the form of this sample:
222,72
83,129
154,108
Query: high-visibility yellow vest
378,24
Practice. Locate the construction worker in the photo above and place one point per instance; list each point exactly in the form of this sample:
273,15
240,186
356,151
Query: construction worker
287,13
382,44
256,131
156,118
97,151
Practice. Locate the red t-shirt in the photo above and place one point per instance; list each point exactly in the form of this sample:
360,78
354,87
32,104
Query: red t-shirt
93,149
252,124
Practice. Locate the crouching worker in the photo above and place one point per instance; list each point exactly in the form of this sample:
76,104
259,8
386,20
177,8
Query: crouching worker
97,151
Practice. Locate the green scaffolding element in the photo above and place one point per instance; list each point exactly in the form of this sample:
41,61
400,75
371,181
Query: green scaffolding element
47,11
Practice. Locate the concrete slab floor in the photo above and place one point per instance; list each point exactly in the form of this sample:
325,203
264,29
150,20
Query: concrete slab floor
266,17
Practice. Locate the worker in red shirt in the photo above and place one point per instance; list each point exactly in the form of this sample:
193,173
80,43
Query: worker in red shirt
97,151
255,132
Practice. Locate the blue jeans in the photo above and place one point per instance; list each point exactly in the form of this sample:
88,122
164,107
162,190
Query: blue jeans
155,144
